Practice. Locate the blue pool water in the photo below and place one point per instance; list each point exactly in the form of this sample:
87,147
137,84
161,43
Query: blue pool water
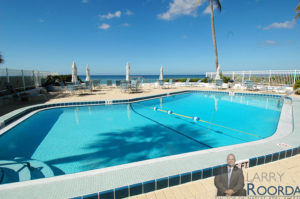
75,139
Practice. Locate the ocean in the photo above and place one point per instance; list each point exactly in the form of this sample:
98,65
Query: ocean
147,78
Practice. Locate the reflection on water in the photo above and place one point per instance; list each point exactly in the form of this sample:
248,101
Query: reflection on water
216,103
262,102
76,113
90,110
128,112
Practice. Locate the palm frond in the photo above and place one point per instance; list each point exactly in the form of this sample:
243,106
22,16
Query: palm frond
218,5
197,4
298,12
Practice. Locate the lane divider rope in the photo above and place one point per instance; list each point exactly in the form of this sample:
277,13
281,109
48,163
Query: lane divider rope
169,112
198,119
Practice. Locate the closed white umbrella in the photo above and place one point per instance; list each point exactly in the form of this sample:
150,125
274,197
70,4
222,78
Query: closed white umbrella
88,76
74,72
218,73
161,76
127,71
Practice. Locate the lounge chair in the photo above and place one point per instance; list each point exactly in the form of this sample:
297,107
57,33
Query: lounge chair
134,86
161,83
187,82
171,83
261,86
88,86
198,83
125,85
249,84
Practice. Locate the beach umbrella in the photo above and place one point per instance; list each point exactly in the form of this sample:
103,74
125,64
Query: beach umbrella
161,76
127,71
74,72
88,77
218,73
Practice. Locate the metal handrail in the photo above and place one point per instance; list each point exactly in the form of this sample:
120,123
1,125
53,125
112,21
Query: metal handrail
288,94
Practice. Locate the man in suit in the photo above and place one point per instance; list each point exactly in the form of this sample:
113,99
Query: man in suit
230,179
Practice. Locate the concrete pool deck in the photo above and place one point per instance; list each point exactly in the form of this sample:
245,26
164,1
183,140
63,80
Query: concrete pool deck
105,179
109,93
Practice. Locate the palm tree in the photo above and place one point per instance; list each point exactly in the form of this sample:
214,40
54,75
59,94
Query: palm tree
218,4
298,11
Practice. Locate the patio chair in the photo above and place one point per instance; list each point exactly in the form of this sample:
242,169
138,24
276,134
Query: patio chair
108,82
134,86
96,84
70,88
125,86
118,83
219,83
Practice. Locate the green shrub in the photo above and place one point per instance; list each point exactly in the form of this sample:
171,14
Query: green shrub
225,79
297,85
180,80
56,79
205,80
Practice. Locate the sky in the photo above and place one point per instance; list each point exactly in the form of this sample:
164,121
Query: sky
49,35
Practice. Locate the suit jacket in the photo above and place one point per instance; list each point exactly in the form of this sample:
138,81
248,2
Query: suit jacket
236,181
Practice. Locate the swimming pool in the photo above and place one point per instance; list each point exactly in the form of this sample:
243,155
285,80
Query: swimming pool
74,139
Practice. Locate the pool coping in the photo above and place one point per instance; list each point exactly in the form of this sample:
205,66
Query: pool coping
165,173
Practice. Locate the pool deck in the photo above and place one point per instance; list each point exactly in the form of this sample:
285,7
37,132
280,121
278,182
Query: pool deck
95,181
109,93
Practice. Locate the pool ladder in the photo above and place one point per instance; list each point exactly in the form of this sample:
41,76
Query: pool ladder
288,94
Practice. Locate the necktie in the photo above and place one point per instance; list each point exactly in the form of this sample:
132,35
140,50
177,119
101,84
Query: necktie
229,176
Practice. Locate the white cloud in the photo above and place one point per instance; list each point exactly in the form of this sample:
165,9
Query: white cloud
104,26
41,20
84,1
276,25
128,12
180,7
270,42
207,9
117,14
125,24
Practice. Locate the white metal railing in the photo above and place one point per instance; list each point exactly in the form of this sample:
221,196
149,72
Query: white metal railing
22,79
271,77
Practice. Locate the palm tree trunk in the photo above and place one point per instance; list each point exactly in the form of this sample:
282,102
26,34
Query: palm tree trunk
213,32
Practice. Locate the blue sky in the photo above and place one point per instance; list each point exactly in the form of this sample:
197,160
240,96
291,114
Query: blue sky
50,34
